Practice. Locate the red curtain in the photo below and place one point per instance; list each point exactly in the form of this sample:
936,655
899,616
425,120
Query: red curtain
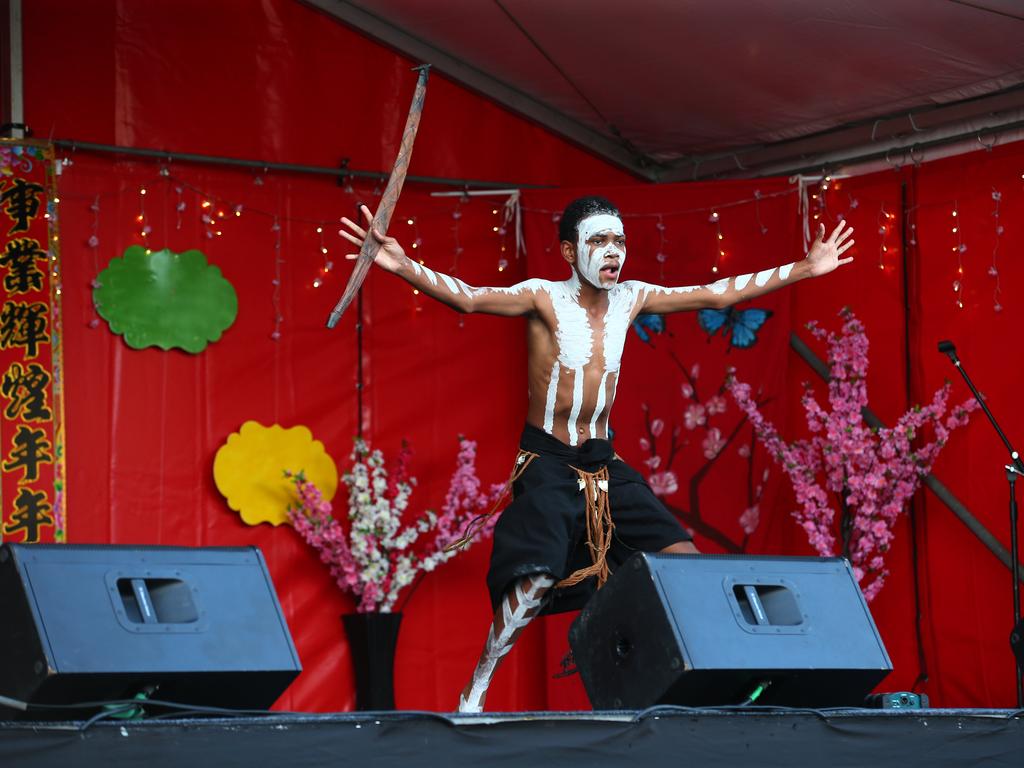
143,426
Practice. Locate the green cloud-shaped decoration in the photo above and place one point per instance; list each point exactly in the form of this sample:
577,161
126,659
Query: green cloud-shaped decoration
165,299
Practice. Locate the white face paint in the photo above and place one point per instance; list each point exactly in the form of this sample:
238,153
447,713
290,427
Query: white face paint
590,263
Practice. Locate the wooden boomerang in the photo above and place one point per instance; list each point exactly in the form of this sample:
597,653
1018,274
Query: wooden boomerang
382,217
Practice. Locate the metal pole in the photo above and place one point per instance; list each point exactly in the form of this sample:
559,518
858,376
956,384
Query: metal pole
14,90
1011,476
265,166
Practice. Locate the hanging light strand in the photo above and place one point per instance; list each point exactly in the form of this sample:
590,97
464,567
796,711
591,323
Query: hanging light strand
276,282
661,256
959,249
993,270
884,228
716,219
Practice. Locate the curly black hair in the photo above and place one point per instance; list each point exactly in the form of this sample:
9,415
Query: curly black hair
577,211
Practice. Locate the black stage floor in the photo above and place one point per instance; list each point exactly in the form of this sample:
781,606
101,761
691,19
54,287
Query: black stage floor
664,736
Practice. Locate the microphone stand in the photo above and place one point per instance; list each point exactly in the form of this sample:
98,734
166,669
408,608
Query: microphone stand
1013,469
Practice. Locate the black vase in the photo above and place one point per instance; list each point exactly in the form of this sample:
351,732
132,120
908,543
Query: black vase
372,639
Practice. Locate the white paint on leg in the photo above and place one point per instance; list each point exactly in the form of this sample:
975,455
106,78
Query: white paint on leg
529,593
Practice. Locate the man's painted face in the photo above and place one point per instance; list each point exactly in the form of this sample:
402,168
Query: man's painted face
601,250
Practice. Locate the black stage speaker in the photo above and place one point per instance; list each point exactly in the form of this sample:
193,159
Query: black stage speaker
88,623
703,630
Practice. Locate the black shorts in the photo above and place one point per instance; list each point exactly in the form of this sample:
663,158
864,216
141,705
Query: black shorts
544,530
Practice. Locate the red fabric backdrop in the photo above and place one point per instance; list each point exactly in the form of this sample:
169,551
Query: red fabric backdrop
143,425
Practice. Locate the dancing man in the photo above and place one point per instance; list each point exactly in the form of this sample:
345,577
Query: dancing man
578,510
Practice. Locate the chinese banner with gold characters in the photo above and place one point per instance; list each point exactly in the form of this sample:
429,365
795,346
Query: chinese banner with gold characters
31,438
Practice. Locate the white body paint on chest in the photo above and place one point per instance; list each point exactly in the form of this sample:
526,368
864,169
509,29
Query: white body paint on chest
621,299
575,346
575,338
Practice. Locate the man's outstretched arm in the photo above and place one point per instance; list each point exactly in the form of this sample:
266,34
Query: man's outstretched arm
824,257
515,300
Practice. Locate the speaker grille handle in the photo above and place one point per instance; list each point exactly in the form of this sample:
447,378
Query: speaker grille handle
141,592
756,607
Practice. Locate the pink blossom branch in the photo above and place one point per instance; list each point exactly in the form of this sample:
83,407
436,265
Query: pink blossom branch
873,473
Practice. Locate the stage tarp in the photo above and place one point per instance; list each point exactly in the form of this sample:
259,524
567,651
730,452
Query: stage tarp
662,736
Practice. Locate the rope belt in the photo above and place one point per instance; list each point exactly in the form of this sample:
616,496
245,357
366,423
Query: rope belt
599,528
523,459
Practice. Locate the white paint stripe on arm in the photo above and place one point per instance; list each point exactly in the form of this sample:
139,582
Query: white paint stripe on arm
431,275
449,282
719,286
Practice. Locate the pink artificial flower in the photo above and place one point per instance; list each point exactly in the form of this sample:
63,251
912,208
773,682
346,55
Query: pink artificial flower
744,451
653,462
657,427
876,473
663,483
687,390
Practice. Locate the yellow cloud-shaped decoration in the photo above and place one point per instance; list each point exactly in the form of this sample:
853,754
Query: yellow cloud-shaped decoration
249,470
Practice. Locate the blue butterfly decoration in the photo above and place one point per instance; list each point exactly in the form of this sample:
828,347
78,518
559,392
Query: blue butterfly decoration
648,325
740,326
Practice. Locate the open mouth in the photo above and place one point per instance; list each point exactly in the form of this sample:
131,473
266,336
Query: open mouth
610,271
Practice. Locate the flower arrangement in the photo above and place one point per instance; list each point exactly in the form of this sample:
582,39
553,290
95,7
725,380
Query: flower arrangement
873,472
379,555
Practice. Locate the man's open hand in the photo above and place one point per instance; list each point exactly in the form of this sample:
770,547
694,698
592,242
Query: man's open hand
824,254
390,256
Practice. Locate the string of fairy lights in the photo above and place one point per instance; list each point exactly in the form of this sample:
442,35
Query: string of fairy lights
887,220
993,270
884,227
819,205
959,248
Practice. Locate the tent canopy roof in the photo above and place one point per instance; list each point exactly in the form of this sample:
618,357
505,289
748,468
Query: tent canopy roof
661,86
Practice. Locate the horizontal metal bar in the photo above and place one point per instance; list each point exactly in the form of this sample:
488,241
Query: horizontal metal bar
266,166
812,153
946,496
900,150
